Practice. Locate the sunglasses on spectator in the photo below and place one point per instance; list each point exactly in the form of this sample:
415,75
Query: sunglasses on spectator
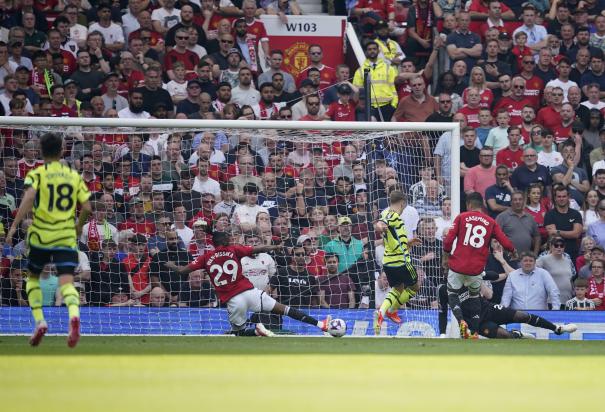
299,254
529,62
558,244
286,116
227,41
445,101
518,87
182,37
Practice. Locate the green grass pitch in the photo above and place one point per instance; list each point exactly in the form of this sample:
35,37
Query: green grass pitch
178,374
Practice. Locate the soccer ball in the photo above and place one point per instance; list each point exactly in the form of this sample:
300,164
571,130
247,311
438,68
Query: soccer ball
337,328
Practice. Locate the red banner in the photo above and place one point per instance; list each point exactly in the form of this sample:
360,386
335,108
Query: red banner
295,36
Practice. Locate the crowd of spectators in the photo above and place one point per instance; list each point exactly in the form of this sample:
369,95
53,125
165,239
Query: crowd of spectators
526,83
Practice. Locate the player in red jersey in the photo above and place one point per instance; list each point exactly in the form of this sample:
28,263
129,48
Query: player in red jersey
474,231
236,291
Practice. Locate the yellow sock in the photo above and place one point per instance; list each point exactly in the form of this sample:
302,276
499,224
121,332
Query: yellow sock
391,299
71,297
34,297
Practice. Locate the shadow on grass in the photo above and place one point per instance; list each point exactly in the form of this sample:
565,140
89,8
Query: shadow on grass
216,346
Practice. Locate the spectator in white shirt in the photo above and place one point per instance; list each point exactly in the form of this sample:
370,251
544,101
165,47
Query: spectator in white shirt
135,107
245,93
245,214
203,182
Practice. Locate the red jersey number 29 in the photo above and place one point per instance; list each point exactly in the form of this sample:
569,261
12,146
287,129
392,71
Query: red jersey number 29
230,268
475,236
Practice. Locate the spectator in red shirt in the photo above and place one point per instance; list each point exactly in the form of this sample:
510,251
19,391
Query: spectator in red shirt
327,74
478,81
315,258
180,53
596,286
511,156
29,161
514,103
472,108
343,110
562,131
534,85
490,11
59,109
54,47
256,28
136,265
550,116
137,221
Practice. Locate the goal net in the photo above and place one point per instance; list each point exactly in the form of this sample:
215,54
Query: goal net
161,187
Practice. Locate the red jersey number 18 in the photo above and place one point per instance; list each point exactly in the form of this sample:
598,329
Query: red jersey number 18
230,267
475,236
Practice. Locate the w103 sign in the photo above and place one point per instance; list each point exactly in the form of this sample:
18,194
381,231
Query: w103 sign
295,36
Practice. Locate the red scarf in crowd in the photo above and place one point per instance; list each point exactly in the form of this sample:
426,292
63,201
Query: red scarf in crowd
252,54
424,25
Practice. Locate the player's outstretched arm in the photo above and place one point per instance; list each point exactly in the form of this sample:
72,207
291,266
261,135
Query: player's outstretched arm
27,203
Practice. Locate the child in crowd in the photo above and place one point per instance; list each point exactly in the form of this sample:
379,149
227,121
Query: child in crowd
498,136
485,125
580,302
520,49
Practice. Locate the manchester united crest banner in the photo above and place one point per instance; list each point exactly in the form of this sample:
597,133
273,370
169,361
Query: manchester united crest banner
295,36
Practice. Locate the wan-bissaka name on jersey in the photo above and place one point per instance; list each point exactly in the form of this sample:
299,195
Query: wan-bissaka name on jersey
59,189
395,240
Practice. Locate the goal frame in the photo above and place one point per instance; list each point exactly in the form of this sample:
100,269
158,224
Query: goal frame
452,127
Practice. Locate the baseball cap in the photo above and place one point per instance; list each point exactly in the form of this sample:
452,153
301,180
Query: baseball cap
250,188
344,89
200,223
597,248
110,75
306,82
108,242
234,51
135,200
302,239
22,69
194,81
344,220
70,81
504,36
